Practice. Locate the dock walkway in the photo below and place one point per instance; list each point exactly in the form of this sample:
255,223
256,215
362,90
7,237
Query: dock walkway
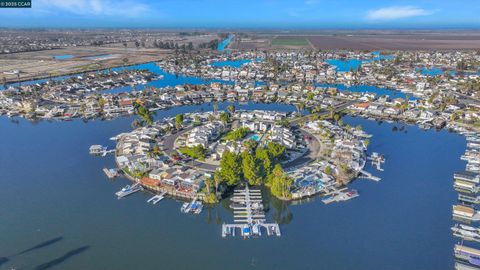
249,216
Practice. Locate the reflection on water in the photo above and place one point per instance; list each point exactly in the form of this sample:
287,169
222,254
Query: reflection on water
62,258
42,245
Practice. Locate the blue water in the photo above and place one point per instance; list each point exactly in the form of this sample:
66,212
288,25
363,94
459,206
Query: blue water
379,91
169,79
435,71
52,189
63,56
255,137
354,64
345,65
173,80
222,45
232,63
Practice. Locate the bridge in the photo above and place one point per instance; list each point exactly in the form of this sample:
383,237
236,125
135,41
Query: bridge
340,107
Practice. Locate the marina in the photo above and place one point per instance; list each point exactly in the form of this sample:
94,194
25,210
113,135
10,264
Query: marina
249,216
466,183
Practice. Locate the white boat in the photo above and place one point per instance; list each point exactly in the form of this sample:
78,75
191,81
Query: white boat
466,232
256,229
184,207
127,190
196,207
246,231
155,199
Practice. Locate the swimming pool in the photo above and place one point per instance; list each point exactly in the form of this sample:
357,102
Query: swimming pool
255,137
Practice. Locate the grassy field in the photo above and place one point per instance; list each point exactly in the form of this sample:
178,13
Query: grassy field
289,41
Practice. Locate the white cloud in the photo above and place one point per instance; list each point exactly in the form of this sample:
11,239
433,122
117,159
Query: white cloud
126,8
311,2
392,13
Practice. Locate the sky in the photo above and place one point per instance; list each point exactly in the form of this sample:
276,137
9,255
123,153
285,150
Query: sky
309,14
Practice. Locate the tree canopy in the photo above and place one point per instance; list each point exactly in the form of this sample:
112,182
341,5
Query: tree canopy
230,168
281,183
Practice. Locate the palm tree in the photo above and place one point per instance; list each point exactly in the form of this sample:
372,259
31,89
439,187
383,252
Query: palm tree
300,107
231,108
331,111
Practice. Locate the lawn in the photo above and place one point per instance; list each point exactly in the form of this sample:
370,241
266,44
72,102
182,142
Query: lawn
290,41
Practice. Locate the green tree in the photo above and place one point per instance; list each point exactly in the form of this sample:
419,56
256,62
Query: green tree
225,117
366,142
251,169
237,134
336,117
230,168
178,121
276,150
218,179
231,108
196,152
143,113
281,183
251,145
266,161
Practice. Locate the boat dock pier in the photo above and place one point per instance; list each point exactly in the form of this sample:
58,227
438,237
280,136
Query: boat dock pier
466,212
99,150
366,175
111,173
377,160
128,190
248,215
469,199
155,199
340,195
193,207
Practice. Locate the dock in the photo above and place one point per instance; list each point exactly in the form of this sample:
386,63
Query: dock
340,195
155,199
110,173
377,160
469,199
366,175
249,216
193,207
128,190
99,150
